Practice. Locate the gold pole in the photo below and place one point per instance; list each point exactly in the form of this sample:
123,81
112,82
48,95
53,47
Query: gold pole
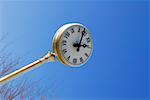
47,58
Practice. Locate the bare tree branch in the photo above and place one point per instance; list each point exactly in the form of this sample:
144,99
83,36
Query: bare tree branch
15,90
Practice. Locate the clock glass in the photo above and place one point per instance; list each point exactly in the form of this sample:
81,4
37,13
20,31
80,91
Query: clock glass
72,44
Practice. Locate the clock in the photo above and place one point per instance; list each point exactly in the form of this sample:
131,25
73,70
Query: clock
73,44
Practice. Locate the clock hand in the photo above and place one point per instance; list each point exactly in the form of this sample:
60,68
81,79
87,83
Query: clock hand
85,45
82,45
79,45
75,45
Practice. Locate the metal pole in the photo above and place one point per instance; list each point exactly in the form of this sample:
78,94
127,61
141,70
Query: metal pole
47,58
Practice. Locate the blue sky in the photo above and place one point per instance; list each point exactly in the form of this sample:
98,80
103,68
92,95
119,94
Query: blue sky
118,68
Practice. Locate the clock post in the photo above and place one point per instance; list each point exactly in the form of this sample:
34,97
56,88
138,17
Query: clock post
49,57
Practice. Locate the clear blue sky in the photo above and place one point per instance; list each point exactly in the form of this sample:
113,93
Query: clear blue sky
118,68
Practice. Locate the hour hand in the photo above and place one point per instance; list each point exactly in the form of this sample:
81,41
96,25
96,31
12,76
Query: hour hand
75,44
85,45
82,45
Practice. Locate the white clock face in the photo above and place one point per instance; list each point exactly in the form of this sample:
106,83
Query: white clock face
75,44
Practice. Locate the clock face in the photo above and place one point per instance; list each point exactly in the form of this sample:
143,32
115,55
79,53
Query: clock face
73,44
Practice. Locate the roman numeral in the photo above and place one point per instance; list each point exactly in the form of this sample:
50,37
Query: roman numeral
64,42
81,59
64,51
79,29
72,30
86,54
74,60
88,40
67,35
68,58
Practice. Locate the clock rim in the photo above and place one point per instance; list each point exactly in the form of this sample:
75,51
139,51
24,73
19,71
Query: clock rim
57,44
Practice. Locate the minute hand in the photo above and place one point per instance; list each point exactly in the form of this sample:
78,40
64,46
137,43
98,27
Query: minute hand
79,45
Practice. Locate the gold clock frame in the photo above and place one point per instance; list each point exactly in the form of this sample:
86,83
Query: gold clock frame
57,42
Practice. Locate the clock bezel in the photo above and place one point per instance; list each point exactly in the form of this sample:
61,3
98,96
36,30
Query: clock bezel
57,44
